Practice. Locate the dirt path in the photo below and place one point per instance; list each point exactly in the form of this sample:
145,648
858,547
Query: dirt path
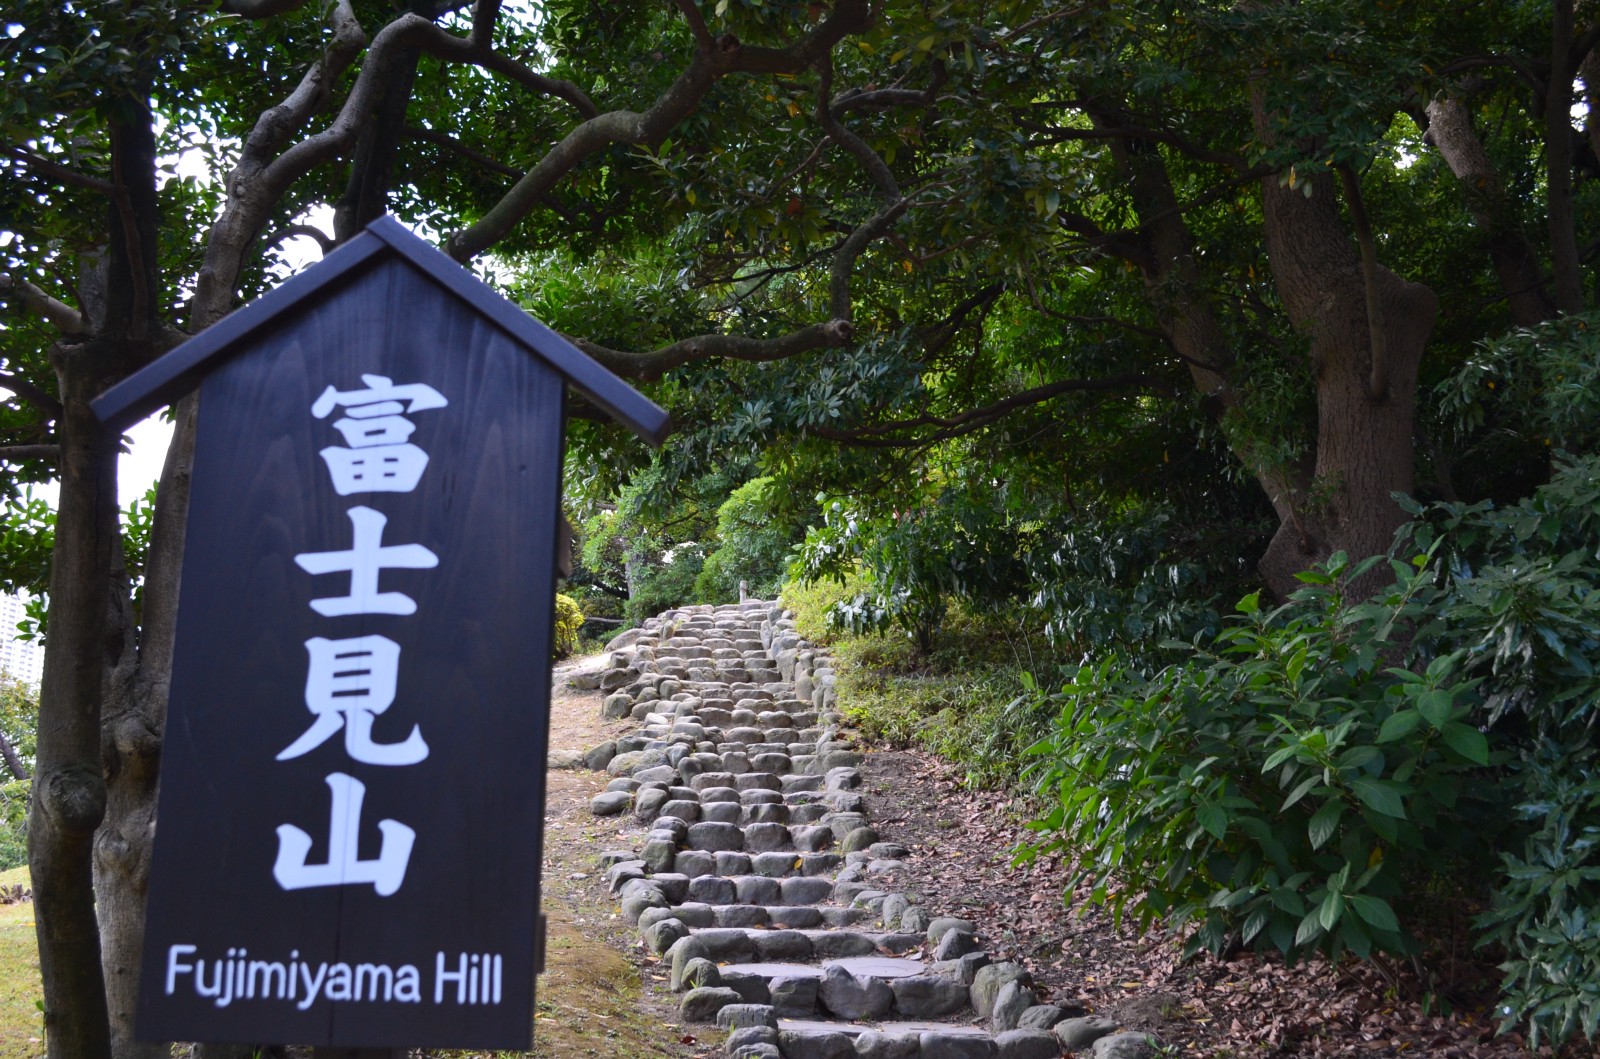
592,999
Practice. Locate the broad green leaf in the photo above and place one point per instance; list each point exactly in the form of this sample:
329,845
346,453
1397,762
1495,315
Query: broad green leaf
1325,823
1301,790
1330,910
1435,706
1375,911
1379,796
1310,928
1213,818
1399,725
1466,741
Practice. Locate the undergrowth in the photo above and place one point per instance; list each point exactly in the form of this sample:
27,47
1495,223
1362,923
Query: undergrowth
967,699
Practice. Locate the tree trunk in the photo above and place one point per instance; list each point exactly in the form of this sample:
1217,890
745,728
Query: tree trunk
132,729
1493,211
69,794
90,632
135,716
1364,438
1179,300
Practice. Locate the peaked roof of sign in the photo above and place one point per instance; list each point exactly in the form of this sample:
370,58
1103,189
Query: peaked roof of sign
177,372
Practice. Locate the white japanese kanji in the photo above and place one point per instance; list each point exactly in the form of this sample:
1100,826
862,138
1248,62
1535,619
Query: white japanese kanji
364,560
348,683
379,458
344,866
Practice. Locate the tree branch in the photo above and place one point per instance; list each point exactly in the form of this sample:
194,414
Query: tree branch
697,23
294,231
844,259
32,394
472,154
14,453
1057,134
875,166
649,127
60,173
61,316
484,17
872,435
255,186
12,759
655,363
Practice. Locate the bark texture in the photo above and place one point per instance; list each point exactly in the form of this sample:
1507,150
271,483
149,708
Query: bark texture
1364,439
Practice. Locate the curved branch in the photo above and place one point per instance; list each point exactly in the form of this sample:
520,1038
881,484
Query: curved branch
32,394
1058,134
13,453
649,127
875,166
471,154
844,259
872,435
1525,72
655,363
253,186
61,316
484,17
294,231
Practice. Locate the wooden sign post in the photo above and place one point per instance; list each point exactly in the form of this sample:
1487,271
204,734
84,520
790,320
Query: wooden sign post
352,787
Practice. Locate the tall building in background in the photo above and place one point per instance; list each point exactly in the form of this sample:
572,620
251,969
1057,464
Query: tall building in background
20,658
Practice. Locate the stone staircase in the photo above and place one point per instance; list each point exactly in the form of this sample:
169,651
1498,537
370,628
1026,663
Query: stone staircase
757,875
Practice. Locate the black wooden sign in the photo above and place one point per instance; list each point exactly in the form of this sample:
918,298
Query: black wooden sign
352,786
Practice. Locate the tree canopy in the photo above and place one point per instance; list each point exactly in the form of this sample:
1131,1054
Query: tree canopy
1037,270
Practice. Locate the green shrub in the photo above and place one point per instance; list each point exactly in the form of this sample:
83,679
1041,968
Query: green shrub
1283,788
1546,911
667,583
752,547
569,619
1516,591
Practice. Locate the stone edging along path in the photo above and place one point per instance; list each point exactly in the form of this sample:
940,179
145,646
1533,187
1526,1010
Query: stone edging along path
758,876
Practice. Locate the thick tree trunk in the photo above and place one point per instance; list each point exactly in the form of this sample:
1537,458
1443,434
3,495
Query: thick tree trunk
1493,211
90,631
1364,438
69,795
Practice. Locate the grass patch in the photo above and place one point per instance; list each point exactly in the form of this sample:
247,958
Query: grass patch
21,1025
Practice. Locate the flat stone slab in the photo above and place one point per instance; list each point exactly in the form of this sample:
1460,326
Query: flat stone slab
774,970
815,1026
877,966
955,1029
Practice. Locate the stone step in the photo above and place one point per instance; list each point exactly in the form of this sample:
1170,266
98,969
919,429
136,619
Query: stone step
784,917
744,943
